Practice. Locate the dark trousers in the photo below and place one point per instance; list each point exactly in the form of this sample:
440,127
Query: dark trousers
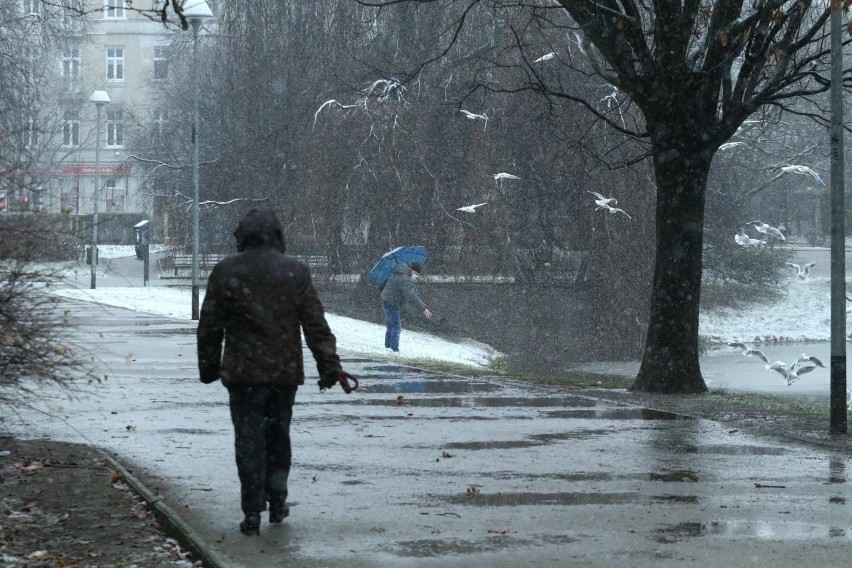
394,326
261,416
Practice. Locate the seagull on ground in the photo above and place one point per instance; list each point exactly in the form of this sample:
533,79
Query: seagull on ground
804,170
767,229
470,208
503,175
744,240
749,351
802,271
546,57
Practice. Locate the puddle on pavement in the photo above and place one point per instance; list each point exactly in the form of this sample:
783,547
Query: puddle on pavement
189,431
498,445
764,530
485,401
730,450
397,369
682,476
427,548
615,413
437,386
565,499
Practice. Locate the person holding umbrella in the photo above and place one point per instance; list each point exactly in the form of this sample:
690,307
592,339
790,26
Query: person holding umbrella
398,291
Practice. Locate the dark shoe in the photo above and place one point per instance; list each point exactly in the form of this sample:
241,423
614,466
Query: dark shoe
278,512
251,524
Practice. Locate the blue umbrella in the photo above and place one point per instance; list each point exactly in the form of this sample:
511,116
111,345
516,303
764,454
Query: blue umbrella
400,255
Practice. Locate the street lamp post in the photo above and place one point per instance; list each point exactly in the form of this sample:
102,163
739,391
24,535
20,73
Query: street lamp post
195,11
100,98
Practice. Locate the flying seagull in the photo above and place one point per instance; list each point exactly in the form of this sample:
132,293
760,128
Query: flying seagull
502,175
602,201
802,271
767,229
470,208
804,170
614,210
546,57
744,240
728,145
749,351
474,116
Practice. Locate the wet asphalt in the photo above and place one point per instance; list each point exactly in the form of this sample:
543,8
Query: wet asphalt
425,469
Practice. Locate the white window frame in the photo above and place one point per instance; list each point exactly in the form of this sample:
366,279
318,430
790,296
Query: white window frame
31,7
70,71
115,64
114,128
71,128
115,10
31,133
161,63
72,14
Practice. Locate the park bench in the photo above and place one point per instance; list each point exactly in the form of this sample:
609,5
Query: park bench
179,266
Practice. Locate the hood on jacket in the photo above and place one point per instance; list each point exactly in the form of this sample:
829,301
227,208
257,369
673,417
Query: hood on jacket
259,228
400,268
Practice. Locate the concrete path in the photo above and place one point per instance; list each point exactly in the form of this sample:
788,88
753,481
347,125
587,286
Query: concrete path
423,469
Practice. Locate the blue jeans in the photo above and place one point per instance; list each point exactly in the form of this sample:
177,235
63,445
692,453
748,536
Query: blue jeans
261,415
394,320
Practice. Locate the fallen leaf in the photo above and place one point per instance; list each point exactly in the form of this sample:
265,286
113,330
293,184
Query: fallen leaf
27,507
446,454
498,531
39,555
130,427
116,477
400,400
30,467
472,490
96,553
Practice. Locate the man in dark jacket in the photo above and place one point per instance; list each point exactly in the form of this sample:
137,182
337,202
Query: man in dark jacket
398,291
258,301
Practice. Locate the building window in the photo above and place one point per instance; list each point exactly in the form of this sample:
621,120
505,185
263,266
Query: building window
71,69
114,9
31,7
161,64
72,14
115,64
69,197
113,197
31,134
114,128
71,128
159,125
31,59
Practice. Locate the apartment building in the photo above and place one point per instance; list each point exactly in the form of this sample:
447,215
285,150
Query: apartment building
116,46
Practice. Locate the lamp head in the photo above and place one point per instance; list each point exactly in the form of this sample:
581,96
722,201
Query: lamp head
196,10
99,98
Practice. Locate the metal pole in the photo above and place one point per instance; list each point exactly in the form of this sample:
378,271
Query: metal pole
837,397
196,23
94,245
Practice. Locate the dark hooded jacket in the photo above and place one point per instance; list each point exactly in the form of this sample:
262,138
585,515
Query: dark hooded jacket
257,302
399,289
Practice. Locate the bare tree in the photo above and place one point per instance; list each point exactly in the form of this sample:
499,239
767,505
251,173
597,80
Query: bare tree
696,71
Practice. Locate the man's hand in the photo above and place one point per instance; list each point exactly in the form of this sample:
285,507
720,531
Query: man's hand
347,382
427,314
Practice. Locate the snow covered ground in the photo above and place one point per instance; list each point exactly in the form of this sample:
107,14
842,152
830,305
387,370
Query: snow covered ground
802,315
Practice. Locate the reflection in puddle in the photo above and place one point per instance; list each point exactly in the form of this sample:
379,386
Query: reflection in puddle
675,476
730,450
572,499
499,445
437,386
484,401
615,413
769,530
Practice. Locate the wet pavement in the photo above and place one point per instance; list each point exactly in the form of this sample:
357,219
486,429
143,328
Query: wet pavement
430,469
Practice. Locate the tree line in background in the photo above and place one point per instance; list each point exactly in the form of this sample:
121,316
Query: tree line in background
348,120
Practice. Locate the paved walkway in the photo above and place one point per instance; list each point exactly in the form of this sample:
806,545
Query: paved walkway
425,469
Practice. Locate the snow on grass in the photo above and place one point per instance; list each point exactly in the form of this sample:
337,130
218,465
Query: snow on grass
352,335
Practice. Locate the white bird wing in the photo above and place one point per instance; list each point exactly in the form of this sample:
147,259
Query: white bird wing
738,345
503,175
597,195
758,353
545,57
468,114
793,265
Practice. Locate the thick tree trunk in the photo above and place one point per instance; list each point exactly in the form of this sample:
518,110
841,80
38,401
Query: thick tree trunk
670,360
